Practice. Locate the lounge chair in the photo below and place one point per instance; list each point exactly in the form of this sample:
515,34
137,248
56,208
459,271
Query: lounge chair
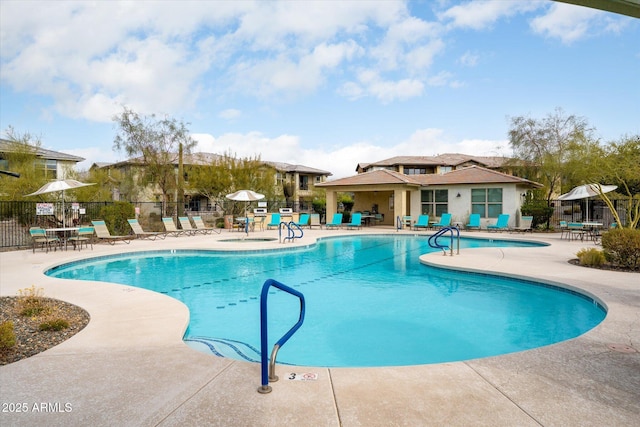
445,221
141,234
304,220
103,233
171,228
356,221
39,237
84,236
502,223
200,225
275,221
406,221
525,225
314,221
186,226
336,221
474,222
422,223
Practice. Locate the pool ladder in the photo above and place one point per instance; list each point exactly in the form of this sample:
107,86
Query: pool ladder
268,372
291,228
433,240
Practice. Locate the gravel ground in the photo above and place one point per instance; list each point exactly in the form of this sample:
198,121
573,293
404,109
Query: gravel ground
30,339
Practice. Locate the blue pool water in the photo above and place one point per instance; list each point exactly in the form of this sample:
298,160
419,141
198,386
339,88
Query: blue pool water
369,302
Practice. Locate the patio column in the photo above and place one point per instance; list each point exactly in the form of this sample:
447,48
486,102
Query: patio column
399,204
332,204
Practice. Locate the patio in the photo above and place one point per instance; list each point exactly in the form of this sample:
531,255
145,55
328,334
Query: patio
129,366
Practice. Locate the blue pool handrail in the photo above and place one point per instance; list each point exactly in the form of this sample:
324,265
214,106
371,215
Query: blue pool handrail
269,367
291,231
399,223
433,239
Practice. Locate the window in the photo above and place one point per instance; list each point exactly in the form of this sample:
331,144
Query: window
50,168
487,202
445,169
434,202
304,182
415,171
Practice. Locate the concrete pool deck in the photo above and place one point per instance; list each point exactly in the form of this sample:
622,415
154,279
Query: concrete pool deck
129,366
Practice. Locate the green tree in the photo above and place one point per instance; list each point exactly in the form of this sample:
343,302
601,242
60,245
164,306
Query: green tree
227,174
20,156
157,142
616,163
546,145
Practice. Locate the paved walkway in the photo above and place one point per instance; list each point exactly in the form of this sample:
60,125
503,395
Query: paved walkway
129,366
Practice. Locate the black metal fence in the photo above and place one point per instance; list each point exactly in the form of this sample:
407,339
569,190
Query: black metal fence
17,217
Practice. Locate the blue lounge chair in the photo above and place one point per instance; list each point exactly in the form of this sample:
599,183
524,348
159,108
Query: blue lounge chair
445,221
336,221
303,221
356,221
422,223
275,221
474,222
501,224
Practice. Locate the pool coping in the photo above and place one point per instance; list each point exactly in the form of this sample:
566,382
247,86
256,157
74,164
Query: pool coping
113,372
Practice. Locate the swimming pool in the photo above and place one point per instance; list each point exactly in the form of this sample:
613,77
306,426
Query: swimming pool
369,302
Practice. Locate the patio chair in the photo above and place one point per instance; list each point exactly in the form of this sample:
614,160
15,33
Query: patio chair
406,221
422,223
141,234
200,225
186,226
502,223
314,221
336,221
84,236
576,230
304,220
103,233
563,229
474,222
356,221
275,221
171,228
525,225
39,237
445,221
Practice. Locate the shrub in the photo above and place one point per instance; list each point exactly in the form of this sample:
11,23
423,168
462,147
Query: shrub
32,302
116,215
591,257
539,210
7,335
622,247
54,325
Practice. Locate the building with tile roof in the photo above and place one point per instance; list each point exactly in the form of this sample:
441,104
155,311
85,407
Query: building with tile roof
54,163
454,184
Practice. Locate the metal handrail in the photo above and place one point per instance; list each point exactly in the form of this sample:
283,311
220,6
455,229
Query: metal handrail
399,224
433,240
290,231
269,367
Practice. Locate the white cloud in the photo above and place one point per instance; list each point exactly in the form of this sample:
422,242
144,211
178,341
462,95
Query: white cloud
480,15
469,59
230,114
566,22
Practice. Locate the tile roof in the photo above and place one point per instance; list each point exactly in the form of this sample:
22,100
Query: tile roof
447,159
5,146
376,177
468,175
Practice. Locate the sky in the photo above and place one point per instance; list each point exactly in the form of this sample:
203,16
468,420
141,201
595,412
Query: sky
325,84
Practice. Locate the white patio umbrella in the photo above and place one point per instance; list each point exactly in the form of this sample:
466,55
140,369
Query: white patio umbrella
60,185
585,191
245,196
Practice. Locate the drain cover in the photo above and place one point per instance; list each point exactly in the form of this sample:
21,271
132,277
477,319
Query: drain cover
622,348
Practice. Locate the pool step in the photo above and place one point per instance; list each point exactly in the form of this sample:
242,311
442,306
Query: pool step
223,347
